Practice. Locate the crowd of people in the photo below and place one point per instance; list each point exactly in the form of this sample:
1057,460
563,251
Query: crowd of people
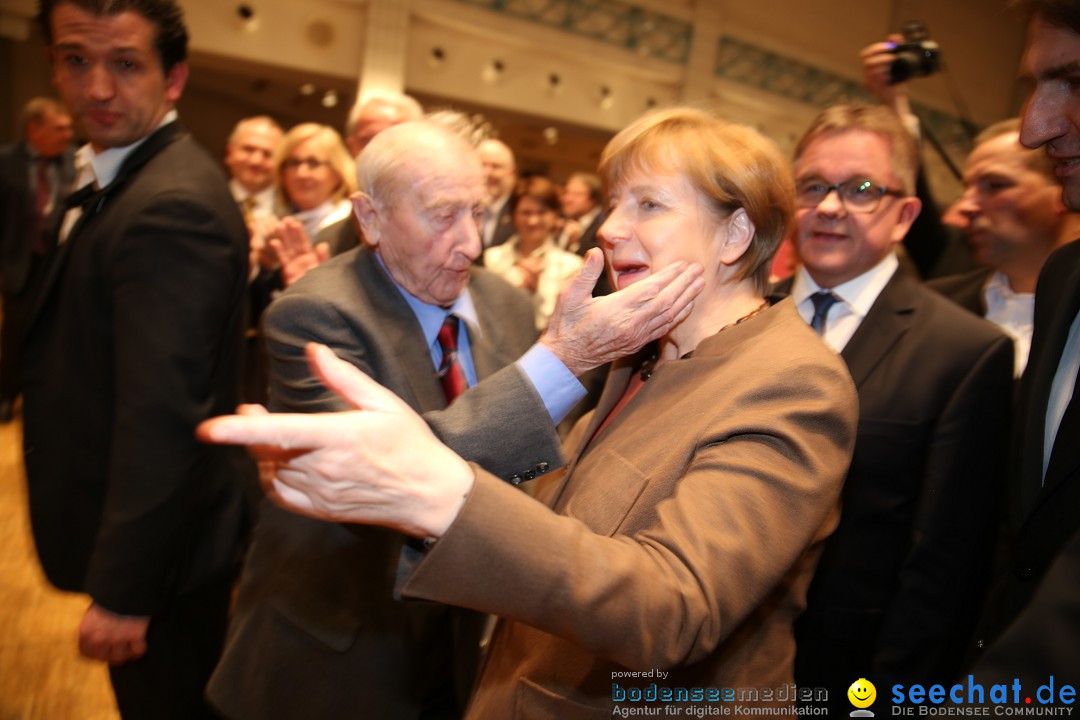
854,466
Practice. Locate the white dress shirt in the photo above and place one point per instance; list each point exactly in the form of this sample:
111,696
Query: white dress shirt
101,169
1012,312
856,297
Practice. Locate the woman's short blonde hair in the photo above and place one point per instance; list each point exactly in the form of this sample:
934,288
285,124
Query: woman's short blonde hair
731,165
326,139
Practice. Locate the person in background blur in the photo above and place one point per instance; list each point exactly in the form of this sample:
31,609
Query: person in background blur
36,175
375,112
530,259
500,174
249,155
581,200
1014,219
315,175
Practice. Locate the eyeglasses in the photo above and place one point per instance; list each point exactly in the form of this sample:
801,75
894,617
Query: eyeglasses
858,195
310,162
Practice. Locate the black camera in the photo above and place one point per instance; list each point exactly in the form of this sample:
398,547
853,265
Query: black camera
917,56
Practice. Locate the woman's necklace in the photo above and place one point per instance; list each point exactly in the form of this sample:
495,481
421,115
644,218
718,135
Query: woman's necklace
649,366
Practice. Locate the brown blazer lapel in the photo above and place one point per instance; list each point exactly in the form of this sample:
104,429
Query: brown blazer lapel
618,379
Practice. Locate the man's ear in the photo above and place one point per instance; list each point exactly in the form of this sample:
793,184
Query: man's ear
739,233
908,212
175,80
366,213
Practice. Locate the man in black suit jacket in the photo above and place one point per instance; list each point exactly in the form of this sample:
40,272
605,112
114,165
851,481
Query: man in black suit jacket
500,172
36,176
1014,218
134,339
1033,583
902,575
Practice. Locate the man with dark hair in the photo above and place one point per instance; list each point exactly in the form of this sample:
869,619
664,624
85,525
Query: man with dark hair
35,177
1031,624
134,339
1014,219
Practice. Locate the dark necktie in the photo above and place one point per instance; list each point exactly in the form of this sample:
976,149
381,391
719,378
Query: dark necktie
451,374
823,300
42,199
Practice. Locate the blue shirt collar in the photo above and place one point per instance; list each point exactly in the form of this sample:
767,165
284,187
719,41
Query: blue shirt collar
431,317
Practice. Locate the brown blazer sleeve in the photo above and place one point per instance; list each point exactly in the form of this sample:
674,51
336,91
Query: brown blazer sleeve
660,559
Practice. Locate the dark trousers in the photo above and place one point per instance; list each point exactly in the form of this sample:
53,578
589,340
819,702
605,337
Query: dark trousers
183,645
11,334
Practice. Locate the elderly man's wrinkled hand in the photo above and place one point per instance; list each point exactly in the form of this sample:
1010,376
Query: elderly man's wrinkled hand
377,465
586,332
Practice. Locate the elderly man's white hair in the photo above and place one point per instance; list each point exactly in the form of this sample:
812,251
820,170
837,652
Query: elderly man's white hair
394,156
475,129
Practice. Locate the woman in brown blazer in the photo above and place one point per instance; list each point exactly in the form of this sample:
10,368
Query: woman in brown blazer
665,566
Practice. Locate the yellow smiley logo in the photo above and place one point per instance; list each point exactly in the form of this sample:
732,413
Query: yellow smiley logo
862,693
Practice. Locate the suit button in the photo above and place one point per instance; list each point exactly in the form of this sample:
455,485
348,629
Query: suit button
541,467
528,474
1023,572
514,479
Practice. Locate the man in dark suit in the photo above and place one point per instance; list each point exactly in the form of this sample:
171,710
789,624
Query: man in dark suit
134,339
36,176
500,175
902,575
316,608
581,199
1037,583
1014,219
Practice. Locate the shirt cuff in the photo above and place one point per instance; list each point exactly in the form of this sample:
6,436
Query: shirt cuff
554,382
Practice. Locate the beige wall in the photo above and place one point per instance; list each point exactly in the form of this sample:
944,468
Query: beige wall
255,66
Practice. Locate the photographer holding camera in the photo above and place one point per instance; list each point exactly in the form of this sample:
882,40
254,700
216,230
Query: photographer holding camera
1009,219
933,245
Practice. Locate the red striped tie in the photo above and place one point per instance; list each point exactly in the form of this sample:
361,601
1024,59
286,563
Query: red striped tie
450,373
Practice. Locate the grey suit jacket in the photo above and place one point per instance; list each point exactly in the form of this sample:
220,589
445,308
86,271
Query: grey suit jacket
340,236
317,631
